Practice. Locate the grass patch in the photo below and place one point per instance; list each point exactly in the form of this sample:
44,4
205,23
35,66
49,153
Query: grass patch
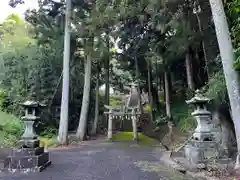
128,136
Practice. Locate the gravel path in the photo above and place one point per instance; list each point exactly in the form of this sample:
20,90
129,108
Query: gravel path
103,161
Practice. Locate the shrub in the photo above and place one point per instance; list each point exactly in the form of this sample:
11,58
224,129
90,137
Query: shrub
187,124
11,128
147,108
237,59
216,88
115,101
14,127
49,132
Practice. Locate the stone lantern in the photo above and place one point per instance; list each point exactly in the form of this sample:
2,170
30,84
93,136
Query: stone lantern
202,116
202,146
29,156
29,137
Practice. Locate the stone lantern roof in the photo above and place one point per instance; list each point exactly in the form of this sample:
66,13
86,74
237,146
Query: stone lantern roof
198,99
30,103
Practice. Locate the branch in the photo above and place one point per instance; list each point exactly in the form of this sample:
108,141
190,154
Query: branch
14,3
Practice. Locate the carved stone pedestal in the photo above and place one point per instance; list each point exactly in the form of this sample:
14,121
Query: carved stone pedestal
32,159
200,152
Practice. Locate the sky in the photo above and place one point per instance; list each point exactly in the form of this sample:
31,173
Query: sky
5,9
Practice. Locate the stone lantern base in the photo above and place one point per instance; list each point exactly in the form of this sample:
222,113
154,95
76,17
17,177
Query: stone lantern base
29,143
200,152
27,158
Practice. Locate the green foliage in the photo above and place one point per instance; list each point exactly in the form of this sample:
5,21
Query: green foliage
115,101
14,127
155,31
48,141
147,108
233,10
186,124
11,129
161,119
2,98
182,116
180,110
237,59
13,28
216,88
49,132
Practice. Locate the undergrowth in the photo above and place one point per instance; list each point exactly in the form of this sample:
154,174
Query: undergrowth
11,129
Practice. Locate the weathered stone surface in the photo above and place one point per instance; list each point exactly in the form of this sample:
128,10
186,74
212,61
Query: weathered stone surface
21,162
194,154
30,143
27,151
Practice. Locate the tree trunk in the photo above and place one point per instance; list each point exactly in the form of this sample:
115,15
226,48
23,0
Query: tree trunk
138,86
63,125
203,46
227,56
85,100
150,91
164,88
188,62
107,86
167,94
96,118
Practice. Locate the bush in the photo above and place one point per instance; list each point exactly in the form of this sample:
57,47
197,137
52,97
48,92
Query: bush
11,128
10,140
115,101
187,124
216,88
237,59
14,127
147,108
49,132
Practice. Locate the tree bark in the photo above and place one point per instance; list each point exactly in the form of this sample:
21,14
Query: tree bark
164,88
85,101
203,45
167,94
227,56
150,91
96,118
63,125
138,85
188,62
106,67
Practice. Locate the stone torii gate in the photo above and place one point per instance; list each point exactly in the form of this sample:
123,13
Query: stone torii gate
131,104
